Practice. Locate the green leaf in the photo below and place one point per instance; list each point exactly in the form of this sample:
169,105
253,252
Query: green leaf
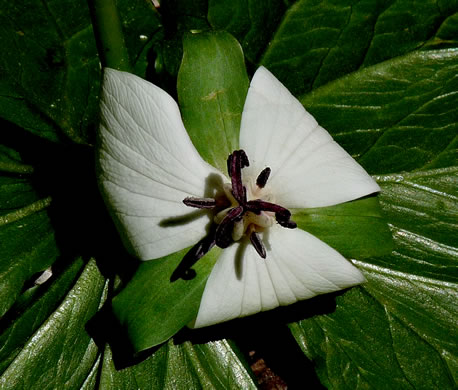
318,42
395,116
10,161
251,22
421,207
30,317
33,248
355,229
70,351
152,308
49,80
212,86
15,193
36,76
364,344
215,365
406,312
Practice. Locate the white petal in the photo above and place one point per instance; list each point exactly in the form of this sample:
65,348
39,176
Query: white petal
298,266
147,165
309,169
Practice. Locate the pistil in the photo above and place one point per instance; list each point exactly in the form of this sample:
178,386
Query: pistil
223,235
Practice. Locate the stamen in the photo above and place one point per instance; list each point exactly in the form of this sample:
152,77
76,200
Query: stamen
229,165
184,270
200,203
263,177
223,235
244,158
282,215
261,205
236,161
258,245
287,224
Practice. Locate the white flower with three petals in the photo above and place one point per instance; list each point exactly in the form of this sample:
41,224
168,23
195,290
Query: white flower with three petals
147,167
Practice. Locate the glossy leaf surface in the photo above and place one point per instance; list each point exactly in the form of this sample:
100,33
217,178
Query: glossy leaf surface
379,76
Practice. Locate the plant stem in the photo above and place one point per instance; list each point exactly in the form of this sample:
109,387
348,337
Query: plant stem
108,34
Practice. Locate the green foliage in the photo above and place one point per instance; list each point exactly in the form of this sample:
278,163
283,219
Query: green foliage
396,116
214,365
406,312
379,75
70,353
151,309
355,229
211,94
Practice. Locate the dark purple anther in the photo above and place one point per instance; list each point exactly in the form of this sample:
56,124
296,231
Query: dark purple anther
263,177
200,203
223,235
282,215
229,165
287,224
258,204
236,161
258,245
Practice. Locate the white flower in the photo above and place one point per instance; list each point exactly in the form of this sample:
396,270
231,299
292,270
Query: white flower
148,166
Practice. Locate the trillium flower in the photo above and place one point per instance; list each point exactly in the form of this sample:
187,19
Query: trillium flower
151,174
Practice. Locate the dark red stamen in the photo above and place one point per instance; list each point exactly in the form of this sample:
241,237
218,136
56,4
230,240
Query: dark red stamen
282,215
236,161
223,235
261,205
200,203
287,224
229,165
263,177
258,245
284,220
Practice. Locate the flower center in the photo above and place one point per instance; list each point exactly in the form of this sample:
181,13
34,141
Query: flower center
238,213
243,216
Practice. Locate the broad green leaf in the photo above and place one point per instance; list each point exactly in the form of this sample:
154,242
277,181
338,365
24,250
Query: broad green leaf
422,210
396,116
318,42
212,86
152,308
251,22
10,161
33,248
401,321
30,317
355,229
36,75
70,352
363,344
214,365
50,69
15,193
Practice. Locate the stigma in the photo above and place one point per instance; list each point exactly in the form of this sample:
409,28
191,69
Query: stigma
246,208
